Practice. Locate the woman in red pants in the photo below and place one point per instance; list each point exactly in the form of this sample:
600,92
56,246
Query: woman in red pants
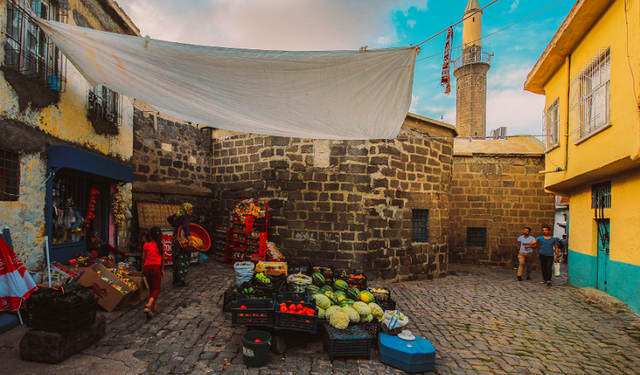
153,268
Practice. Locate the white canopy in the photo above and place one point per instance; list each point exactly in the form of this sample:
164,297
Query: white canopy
320,95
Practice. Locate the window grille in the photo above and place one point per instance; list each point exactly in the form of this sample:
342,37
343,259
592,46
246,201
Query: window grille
601,195
9,176
28,50
476,237
590,95
420,226
105,103
551,125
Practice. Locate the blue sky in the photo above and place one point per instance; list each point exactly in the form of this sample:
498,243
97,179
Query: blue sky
350,24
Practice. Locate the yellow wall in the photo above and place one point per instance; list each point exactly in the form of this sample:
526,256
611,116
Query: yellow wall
622,140
472,30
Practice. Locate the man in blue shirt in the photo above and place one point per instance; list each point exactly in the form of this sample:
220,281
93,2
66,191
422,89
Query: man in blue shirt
548,248
525,254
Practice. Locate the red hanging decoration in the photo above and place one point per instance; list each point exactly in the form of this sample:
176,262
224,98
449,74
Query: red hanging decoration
445,80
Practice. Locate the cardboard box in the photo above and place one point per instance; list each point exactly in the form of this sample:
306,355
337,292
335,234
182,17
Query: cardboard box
108,296
143,291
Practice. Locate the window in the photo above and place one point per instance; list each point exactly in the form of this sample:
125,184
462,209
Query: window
9,176
476,237
590,91
104,102
420,226
551,125
28,50
601,195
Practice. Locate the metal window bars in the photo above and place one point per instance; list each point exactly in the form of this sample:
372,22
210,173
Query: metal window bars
9,176
28,50
105,103
590,94
550,125
420,226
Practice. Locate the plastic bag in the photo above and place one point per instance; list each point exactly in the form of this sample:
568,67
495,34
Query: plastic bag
394,319
556,269
244,271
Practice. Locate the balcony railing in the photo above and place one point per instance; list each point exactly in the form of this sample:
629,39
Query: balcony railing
472,55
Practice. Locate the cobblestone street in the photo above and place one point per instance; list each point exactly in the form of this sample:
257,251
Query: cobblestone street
479,319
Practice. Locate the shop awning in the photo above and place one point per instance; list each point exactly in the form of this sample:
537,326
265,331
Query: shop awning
344,95
72,158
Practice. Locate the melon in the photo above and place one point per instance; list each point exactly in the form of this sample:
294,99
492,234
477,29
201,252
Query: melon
330,311
322,301
353,292
366,296
340,285
339,320
317,279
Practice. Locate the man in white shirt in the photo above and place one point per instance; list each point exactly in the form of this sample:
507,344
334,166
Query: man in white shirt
525,253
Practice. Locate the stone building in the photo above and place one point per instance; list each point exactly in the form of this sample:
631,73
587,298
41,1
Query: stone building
350,204
63,142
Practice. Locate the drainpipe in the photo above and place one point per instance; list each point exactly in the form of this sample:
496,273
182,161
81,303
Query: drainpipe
566,134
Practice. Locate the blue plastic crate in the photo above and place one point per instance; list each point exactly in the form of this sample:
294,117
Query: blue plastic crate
410,356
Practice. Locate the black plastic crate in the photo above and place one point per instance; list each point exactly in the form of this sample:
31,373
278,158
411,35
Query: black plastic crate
229,296
295,297
352,278
327,272
350,342
257,312
276,286
389,304
63,321
381,294
297,322
300,266
372,328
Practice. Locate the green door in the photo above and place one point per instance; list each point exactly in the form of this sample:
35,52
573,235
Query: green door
603,253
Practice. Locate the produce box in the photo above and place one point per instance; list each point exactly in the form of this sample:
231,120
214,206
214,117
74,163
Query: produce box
381,294
327,272
374,329
302,266
109,290
252,312
389,304
143,292
272,268
352,278
295,297
294,320
349,342
277,282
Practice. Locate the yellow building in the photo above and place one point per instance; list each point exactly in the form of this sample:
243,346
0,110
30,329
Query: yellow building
589,74
65,146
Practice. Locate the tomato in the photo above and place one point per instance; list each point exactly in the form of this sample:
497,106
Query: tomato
284,309
293,307
243,307
257,340
299,307
302,302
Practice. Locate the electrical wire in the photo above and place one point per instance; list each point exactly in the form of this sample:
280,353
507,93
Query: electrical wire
493,33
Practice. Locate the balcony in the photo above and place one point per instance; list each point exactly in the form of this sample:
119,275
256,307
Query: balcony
471,55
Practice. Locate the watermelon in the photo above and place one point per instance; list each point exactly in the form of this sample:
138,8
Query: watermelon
340,295
326,288
366,296
322,301
346,301
340,285
313,289
334,300
317,279
353,292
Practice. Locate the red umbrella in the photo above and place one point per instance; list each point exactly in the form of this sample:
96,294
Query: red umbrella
16,283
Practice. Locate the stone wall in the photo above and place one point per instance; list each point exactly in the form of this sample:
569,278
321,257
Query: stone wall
172,163
344,203
503,194
471,100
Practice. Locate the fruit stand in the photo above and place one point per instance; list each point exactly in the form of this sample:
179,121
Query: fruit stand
334,306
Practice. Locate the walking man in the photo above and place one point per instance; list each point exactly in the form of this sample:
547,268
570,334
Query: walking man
525,254
548,248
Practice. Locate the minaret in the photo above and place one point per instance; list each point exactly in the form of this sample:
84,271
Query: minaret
470,70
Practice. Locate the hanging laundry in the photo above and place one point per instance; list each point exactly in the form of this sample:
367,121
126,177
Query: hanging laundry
446,63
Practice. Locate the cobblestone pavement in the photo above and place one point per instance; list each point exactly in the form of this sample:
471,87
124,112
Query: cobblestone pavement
479,319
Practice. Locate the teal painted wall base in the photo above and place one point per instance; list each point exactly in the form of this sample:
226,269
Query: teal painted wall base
623,280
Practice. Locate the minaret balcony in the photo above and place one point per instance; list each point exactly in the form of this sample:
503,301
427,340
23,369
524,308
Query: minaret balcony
472,55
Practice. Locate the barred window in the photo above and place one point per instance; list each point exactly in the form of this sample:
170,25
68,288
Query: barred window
476,237
601,195
9,176
28,50
551,125
420,226
105,103
591,92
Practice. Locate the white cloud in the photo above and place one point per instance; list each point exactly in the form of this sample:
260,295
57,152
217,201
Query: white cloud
270,24
520,111
514,6
411,23
414,102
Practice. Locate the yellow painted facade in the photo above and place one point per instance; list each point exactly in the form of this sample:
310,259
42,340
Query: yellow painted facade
66,122
608,153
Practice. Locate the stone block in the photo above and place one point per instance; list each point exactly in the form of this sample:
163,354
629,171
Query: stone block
50,347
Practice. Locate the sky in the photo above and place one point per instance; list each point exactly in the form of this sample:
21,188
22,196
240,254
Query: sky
318,25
